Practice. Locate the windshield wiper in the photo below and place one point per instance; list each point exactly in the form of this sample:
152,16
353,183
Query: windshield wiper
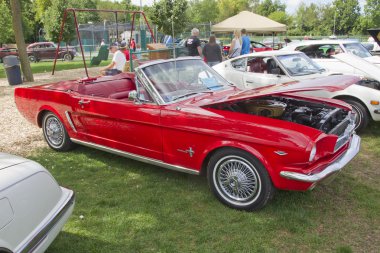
191,93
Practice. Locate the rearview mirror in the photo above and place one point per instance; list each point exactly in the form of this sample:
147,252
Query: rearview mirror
276,71
132,95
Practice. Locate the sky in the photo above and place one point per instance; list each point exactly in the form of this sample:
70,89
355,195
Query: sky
291,4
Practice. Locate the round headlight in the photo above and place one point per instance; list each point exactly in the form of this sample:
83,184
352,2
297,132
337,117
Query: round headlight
313,153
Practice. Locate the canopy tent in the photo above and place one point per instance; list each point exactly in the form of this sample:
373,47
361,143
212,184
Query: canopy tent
251,22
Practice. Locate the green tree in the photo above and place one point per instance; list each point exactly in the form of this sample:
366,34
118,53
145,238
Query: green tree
347,15
228,8
40,6
52,19
169,14
202,11
306,19
20,41
281,17
6,34
267,7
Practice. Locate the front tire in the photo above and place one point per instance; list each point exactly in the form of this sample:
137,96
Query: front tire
32,58
55,133
362,117
239,180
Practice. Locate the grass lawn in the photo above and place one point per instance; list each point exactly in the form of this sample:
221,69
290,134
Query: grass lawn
47,66
130,206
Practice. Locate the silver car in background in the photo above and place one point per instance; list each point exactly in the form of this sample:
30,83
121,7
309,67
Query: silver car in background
33,207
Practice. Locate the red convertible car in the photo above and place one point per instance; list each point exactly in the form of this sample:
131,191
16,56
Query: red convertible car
182,115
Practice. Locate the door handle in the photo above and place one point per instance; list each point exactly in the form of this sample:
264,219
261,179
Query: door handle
249,82
83,102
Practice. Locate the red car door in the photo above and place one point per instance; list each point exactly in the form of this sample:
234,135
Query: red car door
119,124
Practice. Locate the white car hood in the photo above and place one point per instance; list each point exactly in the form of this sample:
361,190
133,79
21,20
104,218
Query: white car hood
370,69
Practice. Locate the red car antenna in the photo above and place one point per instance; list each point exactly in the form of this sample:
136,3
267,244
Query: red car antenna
74,10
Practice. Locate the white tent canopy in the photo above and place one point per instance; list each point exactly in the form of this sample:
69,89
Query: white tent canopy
251,22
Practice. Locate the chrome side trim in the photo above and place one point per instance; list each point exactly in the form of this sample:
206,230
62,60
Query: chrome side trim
332,168
70,121
136,157
41,235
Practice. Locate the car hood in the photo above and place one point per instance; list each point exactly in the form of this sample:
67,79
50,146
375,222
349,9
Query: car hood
364,65
330,83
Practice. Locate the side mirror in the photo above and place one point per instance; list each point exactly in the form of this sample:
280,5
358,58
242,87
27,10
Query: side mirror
276,71
132,95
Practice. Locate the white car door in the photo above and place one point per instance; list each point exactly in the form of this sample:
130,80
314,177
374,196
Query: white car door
259,74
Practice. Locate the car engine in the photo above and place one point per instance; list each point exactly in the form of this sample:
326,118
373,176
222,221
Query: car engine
323,117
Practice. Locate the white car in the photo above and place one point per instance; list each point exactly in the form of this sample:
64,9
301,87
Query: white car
33,207
275,67
322,52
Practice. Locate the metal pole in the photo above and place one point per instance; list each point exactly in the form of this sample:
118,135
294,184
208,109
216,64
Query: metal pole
80,43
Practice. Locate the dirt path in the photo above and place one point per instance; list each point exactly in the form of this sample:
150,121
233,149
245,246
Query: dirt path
17,135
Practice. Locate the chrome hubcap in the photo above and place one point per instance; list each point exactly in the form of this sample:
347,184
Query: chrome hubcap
54,131
237,179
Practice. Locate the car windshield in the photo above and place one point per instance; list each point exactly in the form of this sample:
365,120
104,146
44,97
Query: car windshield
299,64
357,49
176,80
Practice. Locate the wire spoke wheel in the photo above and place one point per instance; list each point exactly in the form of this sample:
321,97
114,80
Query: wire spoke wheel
54,131
237,179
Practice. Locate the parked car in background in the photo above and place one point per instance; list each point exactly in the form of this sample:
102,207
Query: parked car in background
47,50
321,51
275,67
7,51
181,115
372,47
33,207
274,43
255,47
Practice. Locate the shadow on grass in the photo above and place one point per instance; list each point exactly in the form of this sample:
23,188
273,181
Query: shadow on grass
139,207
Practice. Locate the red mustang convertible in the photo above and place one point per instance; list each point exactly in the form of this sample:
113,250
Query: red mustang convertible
181,115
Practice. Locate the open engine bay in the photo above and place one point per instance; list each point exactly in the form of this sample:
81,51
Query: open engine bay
326,118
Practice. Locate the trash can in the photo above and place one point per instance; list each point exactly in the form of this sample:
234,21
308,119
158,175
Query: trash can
12,69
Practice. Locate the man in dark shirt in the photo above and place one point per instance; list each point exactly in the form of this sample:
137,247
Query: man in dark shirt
194,44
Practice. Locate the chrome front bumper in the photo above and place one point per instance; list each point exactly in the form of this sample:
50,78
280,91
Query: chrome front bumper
332,168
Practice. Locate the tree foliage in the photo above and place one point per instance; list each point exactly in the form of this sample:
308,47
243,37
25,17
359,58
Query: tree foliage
281,17
6,34
267,7
169,14
228,8
347,15
202,11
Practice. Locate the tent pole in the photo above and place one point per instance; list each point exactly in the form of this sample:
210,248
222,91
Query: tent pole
273,40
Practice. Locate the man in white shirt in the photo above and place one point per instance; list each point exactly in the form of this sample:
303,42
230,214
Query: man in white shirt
118,61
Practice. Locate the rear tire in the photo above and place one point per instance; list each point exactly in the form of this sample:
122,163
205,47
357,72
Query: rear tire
55,133
67,57
239,180
362,117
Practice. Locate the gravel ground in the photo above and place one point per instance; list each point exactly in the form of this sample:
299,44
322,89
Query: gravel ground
17,135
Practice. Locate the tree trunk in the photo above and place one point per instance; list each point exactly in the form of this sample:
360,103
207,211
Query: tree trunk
20,41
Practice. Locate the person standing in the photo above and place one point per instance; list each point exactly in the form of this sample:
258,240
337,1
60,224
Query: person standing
235,48
117,64
246,42
194,44
212,52
133,45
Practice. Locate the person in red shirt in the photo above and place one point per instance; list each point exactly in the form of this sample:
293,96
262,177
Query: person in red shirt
133,45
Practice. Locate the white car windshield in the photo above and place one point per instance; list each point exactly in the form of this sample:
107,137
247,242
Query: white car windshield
176,80
299,64
357,49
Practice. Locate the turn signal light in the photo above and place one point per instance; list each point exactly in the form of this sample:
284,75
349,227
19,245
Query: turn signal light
375,102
